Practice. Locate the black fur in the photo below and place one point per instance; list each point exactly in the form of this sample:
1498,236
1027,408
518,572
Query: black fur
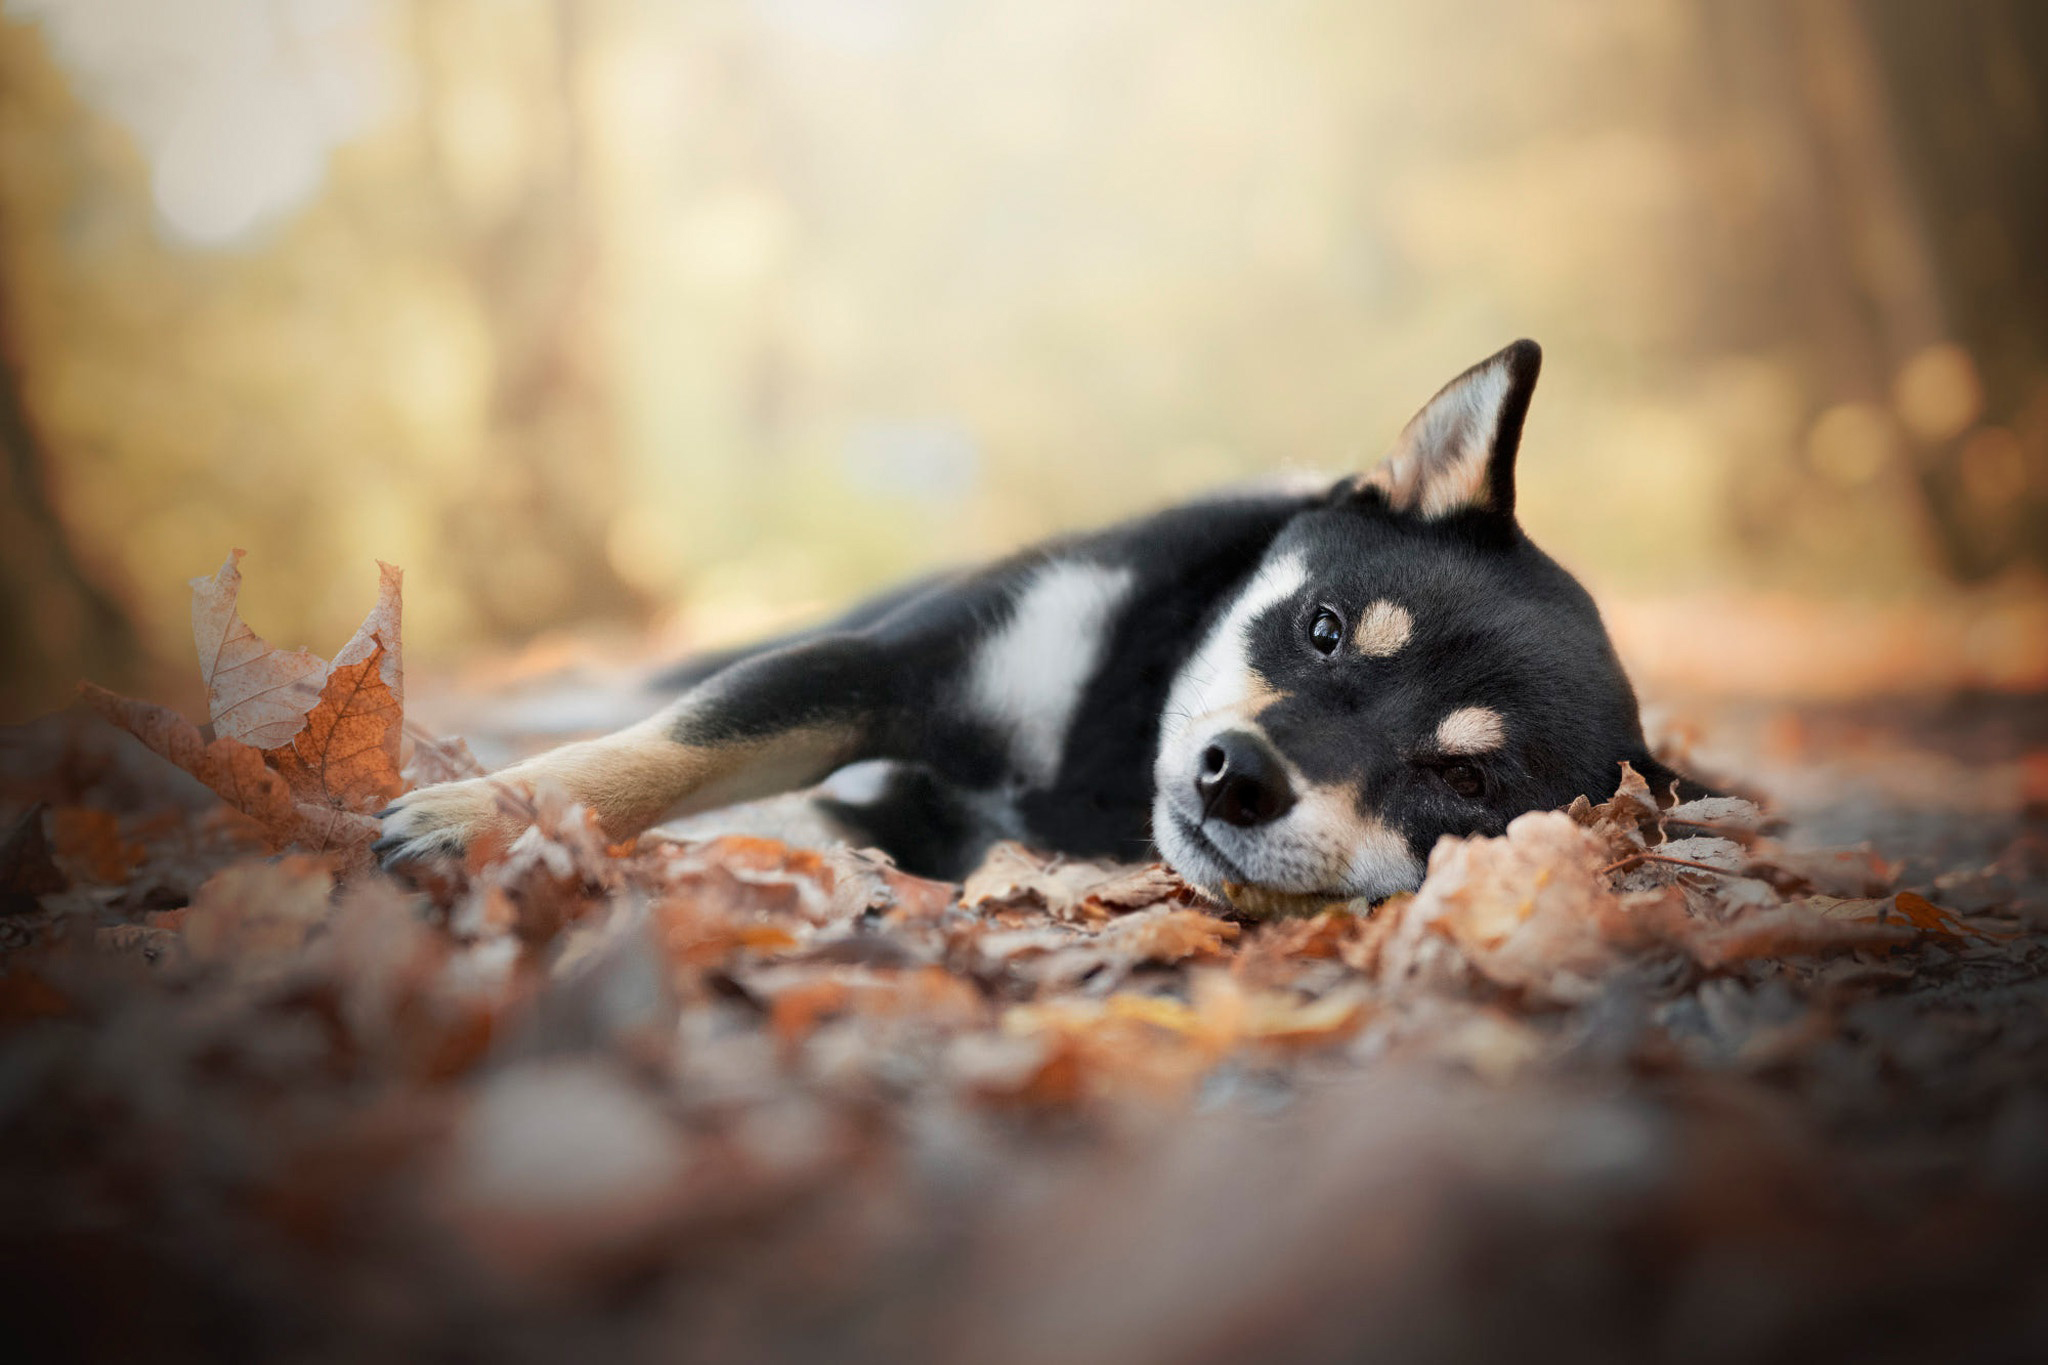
1307,760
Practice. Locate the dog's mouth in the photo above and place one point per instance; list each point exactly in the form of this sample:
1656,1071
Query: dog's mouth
1193,833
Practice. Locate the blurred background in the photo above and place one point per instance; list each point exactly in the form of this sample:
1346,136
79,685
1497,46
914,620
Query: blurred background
664,323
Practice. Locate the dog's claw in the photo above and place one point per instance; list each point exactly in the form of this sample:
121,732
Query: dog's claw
437,821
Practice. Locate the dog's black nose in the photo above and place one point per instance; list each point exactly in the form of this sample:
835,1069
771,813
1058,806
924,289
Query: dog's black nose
1242,781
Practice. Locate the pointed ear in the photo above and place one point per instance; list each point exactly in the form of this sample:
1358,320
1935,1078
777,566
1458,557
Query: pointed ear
1458,453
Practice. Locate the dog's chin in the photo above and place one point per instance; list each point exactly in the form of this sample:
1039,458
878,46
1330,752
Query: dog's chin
1192,858
1203,863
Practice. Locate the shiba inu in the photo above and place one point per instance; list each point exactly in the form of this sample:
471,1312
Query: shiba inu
1296,692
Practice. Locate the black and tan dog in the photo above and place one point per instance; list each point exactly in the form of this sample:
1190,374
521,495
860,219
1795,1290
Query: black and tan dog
1293,691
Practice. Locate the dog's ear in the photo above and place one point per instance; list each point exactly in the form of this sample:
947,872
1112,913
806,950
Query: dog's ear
1458,454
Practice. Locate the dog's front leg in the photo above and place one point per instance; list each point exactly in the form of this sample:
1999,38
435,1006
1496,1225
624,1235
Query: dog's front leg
770,724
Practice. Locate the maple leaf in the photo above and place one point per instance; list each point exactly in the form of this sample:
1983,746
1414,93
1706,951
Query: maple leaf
303,748
255,692
236,773
380,630
347,753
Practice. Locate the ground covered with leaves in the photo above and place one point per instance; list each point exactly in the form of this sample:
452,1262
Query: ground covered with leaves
1634,1082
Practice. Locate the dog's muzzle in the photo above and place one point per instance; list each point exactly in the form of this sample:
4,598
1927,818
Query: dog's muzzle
1241,781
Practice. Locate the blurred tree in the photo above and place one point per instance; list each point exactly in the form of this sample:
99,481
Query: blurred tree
56,620
1967,90
530,536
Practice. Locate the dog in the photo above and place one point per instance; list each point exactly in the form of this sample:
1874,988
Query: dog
1283,692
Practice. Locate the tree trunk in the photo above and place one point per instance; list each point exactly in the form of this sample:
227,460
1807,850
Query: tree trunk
56,623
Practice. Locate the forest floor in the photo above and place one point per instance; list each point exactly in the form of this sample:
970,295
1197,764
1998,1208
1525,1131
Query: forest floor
1725,1081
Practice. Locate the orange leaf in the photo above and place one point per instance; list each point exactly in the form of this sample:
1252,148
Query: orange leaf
347,754
236,773
254,692
380,630
89,842
1925,915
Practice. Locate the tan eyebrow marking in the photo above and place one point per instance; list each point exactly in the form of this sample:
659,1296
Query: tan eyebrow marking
1258,693
1383,629
1472,730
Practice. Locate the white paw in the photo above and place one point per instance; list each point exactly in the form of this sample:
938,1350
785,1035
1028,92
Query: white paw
444,820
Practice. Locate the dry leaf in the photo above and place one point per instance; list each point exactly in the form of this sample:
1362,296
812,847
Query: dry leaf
433,760
1526,908
347,754
1162,934
1847,872
1013,877
1167,935
237,774
27,870
255,693
1800,929
254,913
1261,902
88,843
303,749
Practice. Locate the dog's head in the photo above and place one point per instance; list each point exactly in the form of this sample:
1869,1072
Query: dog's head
1404,664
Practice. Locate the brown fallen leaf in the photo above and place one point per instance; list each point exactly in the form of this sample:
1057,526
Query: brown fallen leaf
1275,954
1628,820
1526,908
1167,935
1259,902
88,844
1798,929
27,869
347,753
255,692
1906,908
237,774
304,749
1847,872
430,760
1162,934
1013,877
252,914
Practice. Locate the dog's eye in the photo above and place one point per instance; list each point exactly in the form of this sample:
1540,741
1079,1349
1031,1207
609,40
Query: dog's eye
1464,779
1326,632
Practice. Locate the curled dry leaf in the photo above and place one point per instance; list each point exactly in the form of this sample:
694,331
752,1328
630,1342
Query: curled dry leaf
1162,934
1527,908
1728,816
1628,820
255,693
303,749
1012,877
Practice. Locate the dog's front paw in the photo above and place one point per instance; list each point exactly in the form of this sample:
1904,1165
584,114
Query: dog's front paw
445,820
